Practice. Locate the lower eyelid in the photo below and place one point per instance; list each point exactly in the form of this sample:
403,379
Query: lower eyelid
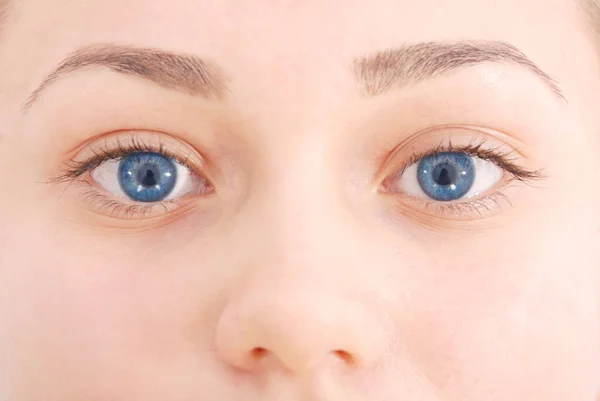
105,204
118,205
433,214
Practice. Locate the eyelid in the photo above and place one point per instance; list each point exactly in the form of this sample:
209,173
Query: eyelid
118,144
472,141
453,215
449,137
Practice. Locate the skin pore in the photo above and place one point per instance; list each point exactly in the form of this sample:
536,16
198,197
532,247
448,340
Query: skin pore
303,260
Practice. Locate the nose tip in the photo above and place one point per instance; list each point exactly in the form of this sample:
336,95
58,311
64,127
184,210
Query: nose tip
298,331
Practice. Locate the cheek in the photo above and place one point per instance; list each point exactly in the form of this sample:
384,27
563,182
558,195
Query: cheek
91,310
514,321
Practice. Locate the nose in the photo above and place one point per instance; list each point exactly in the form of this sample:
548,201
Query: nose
299,325
304,298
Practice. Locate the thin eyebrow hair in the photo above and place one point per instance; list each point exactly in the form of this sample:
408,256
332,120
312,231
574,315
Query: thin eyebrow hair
412,64
182,72
5,6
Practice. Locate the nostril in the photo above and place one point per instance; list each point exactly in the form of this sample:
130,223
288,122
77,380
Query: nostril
345,357
259,353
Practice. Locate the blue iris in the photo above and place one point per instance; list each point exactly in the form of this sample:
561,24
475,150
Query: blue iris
446,176
147,176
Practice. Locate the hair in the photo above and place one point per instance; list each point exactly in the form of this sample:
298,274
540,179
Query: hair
591,12
4,12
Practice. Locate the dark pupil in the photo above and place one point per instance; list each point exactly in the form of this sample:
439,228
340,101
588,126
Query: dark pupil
147,176
444,174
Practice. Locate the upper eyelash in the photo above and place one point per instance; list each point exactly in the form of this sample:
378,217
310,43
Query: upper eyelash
74,169
500,158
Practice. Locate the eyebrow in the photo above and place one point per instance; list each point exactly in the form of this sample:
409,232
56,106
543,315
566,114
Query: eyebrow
181,72
412,64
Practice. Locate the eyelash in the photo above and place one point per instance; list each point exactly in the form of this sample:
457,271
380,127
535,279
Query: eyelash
74,171
479,149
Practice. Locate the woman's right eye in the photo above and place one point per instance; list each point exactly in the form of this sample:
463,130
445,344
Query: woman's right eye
148,177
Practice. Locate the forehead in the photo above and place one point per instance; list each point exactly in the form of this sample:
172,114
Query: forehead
293,26
289,41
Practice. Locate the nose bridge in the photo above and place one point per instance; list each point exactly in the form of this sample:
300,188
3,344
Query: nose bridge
302,194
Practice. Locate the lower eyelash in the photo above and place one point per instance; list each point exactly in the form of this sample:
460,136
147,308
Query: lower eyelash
423,210
124,210
470,207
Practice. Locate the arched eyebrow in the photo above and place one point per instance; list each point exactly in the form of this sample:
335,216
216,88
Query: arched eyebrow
376,73
411,64
181,72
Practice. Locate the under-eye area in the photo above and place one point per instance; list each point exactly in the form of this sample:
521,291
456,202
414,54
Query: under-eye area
134,175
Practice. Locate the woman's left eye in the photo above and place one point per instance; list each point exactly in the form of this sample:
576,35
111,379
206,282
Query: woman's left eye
447,176
148,177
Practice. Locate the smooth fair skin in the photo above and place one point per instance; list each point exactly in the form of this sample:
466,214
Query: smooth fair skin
297,277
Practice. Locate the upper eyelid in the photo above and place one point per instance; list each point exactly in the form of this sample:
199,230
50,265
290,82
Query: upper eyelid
116,145
511,140
135,136
108,146
491,141
499,158
416,156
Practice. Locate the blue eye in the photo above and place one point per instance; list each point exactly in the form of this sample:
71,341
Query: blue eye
446,176
147,177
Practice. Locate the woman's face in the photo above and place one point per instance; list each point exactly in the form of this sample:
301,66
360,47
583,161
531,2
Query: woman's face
299,200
